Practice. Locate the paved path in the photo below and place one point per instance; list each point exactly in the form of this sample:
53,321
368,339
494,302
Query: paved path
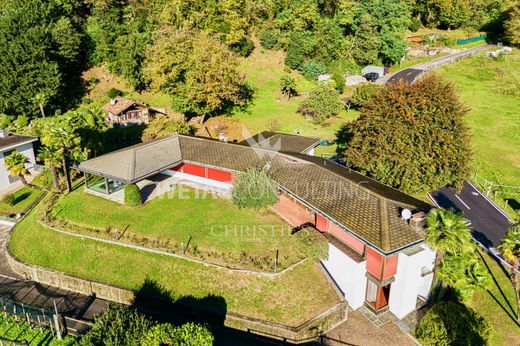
409,75
489,222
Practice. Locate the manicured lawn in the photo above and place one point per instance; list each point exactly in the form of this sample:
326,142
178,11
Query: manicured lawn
210,228
291,298
497,305
491,91
23,199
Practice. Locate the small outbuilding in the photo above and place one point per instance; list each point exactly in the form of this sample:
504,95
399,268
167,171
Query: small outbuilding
121,111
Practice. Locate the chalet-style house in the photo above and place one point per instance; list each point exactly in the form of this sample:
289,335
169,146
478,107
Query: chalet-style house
8,144
376,257
121,111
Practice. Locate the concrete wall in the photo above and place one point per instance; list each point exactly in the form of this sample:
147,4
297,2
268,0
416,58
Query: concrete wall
27,150
409,282
349,276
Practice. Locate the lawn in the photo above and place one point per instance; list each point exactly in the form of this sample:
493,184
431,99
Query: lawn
19,331
497,305
210,228
290,298
23,199
491,91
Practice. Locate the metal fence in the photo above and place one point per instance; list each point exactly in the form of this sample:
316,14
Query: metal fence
471,39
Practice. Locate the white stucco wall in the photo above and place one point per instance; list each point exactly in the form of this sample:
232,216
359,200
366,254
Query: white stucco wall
27,150
409,283
349,275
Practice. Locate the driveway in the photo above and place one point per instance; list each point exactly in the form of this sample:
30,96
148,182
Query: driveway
489,222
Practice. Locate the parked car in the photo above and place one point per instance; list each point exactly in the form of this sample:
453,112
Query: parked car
372,76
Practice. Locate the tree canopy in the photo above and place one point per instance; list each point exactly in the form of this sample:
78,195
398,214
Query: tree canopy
412,137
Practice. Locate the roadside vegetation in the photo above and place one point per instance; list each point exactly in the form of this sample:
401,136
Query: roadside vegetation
291,298
18,330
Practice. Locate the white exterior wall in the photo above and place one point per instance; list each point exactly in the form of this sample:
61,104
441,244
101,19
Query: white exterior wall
27,150
209,184
409,284
349,275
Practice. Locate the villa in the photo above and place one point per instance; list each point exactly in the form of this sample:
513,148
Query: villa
377,255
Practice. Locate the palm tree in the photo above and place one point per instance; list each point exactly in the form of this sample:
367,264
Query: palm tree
41,99
510,247
15,163
53,160
447,232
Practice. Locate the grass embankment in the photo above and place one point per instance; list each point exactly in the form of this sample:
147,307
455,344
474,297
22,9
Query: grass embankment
491,91
23,199
291,298
211,228
497,304
19,331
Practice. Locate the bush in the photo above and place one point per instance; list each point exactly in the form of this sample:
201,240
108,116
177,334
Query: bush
450,323
362,93
113,93
323,102
415,24
132,196
269,38
189,334
311,69
339,82
254,189
10,199
245,47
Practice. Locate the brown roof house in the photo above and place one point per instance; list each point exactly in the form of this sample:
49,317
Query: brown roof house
121,111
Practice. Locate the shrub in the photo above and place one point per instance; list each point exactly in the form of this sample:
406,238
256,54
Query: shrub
162,126
362,93
339,82
323,102
269,38
311,69
189,334
254,189
132,196
245,47
415,24
113,92
10,199
450,323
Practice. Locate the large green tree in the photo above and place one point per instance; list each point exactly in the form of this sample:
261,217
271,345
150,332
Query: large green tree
412,137
322,103
198,71
40,42
512,24
510,247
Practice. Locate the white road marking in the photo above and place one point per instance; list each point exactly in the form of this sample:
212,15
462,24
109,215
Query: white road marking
461,201
434,201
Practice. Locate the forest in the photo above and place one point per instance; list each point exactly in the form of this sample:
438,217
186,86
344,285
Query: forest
189,48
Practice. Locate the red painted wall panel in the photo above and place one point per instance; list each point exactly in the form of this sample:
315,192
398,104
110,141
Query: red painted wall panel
374,263
177,168
321,223
215,174
347,238
198,171
390,266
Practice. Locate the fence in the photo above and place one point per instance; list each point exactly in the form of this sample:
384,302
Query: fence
471,39
504,196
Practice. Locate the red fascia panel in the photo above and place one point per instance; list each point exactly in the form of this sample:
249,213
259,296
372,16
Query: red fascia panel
346,238
321,223
198,171
215,174
374,263
390,266
177,168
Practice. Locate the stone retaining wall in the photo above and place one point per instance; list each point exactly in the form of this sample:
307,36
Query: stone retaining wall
305,332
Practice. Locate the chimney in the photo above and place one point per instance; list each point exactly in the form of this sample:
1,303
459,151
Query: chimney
4,133
418,221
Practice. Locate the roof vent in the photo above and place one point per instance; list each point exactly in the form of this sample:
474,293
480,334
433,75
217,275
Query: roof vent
4,133
113,102
418,221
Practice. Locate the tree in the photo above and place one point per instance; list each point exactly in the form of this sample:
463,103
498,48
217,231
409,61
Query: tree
133,196
512,24
411,137
198,71
53,160
39,60
362,94
339,82
311,69
254,189
447,232
366,42
15,164
162,126
510,248
322,103
288,85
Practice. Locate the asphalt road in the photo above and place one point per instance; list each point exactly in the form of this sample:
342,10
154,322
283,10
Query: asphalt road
408,75
489,223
